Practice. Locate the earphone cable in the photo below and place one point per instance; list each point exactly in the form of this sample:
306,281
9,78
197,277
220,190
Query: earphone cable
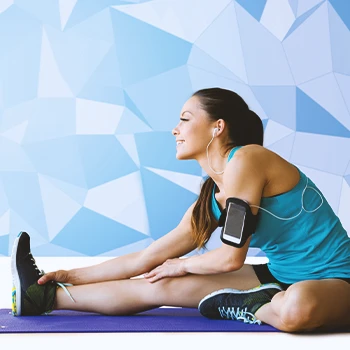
302,204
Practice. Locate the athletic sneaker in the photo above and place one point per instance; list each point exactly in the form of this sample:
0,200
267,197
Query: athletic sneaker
28,297
240,305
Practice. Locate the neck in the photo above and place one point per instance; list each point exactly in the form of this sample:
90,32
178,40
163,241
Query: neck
218,163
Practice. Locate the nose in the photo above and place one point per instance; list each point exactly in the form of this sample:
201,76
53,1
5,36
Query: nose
174,131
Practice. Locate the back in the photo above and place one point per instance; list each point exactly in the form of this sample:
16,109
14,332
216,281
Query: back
310,246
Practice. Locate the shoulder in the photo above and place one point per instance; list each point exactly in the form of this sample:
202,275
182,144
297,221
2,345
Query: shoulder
245,175
249,162
250,155
252,150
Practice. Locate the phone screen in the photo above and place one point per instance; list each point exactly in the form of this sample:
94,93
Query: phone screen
234,222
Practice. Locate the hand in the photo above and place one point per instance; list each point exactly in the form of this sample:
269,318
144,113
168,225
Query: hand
57,276
170,268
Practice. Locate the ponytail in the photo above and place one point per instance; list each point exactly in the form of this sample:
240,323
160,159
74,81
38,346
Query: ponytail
203,221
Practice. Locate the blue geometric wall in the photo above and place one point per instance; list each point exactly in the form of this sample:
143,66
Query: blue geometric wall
90,91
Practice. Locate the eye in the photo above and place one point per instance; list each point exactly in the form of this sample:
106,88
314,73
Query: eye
183,119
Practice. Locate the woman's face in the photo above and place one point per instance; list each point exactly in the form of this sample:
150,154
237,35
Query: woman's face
194,130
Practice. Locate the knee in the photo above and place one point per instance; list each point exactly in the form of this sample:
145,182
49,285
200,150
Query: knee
298,311
161,290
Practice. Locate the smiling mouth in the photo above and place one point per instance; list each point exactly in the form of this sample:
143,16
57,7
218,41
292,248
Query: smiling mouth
179,142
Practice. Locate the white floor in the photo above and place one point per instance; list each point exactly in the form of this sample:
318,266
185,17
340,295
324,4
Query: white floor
152,341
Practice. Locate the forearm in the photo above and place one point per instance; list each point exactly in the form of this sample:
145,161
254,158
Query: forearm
213,262
123,267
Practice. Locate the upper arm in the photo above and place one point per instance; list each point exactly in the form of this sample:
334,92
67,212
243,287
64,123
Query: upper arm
245,175
244,178
176,243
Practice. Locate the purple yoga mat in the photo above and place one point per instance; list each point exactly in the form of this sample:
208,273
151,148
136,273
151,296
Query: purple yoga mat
156,320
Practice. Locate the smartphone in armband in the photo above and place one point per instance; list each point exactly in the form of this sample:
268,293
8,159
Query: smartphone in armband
234,225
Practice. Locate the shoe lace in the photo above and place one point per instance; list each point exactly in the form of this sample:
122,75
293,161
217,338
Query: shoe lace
42,273
238,314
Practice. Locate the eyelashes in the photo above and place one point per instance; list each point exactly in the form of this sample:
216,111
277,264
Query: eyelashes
185,120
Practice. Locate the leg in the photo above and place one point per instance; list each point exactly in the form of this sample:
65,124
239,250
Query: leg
309,305
133,296
125,296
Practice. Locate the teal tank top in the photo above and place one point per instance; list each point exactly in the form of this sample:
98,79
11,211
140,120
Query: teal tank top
312,246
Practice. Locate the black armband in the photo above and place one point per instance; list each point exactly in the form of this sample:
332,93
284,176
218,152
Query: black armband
238,222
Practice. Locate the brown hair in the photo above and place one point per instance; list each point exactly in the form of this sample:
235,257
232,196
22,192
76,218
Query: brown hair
244,128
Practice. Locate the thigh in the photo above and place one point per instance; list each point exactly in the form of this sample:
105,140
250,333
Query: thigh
187,291
327,300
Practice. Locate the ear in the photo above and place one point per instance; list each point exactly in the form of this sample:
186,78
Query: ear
220,125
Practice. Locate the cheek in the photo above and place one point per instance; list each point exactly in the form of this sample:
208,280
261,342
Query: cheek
189,149
184,151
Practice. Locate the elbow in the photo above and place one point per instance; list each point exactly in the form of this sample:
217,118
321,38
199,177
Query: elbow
232,259
232,265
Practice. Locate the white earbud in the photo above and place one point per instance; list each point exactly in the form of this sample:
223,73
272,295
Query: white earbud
214,134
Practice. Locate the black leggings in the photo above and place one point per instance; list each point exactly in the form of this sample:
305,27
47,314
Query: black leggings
265,276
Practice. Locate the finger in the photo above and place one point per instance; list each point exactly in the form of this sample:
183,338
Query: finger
45,278
154,271
155,278
149,274
152,276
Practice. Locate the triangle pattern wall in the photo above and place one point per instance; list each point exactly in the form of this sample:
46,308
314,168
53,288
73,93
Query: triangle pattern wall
90,91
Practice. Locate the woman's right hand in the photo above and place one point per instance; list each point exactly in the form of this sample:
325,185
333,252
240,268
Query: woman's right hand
61,276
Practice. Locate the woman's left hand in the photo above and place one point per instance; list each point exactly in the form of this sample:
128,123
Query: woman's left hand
170,268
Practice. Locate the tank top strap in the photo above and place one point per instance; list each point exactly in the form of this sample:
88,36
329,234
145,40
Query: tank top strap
232,152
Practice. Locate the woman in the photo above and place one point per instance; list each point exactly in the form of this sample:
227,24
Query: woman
306,284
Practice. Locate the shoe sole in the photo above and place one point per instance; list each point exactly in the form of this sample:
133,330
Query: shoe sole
237,291
16,290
